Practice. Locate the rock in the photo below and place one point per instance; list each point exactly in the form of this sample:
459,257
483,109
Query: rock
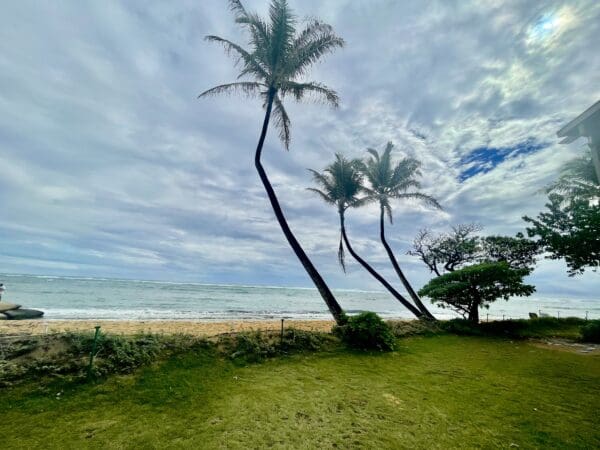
16,314
4,306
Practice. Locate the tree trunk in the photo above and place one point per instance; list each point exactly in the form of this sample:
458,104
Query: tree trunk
396,266
330,301
474,313
474,305
378,277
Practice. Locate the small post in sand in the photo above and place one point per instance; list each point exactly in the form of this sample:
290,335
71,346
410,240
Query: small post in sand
281,340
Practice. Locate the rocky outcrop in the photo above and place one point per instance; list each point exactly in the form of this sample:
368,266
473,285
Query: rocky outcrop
11,311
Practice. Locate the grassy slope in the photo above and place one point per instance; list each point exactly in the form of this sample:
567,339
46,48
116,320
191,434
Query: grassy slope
435,392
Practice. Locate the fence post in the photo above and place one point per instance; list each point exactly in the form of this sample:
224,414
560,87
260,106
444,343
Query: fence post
281,340
586,316
558,314
93,352
487,317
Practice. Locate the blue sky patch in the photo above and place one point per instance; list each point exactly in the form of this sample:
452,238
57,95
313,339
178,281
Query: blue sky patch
484,159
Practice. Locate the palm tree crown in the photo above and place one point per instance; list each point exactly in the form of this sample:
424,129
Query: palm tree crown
341,184
277,58
387,182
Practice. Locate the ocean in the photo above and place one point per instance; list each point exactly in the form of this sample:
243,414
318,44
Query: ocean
112,299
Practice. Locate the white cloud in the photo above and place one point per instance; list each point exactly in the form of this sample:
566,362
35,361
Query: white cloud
112,167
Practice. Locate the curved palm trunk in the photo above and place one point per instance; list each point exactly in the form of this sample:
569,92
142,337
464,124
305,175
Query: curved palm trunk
332,304
376,275
396,266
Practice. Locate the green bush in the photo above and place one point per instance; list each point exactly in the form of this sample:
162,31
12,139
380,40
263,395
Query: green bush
544,327
255,346
366,331
591,332
406,328
461,327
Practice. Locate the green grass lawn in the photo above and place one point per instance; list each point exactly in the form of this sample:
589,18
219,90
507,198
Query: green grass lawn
434,392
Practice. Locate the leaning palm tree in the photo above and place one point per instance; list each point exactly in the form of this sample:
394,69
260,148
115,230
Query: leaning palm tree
386,183
277,58
340,185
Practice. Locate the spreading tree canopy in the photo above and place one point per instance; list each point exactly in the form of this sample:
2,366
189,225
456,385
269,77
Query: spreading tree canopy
470,288
473,271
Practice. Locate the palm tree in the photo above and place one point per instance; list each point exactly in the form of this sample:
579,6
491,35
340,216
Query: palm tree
277,59
578,178
386,183
341,184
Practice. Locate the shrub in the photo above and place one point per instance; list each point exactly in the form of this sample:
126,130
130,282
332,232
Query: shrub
254,346
406,328
460,327
591,332
366,331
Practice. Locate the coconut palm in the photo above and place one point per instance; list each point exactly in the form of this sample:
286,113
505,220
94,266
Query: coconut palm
276,60
340,185
388,182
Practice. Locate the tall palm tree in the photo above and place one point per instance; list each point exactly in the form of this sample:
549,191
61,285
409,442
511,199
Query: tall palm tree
340,185
277,58
386,183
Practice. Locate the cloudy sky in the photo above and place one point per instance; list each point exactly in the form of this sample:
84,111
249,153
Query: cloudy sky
111,167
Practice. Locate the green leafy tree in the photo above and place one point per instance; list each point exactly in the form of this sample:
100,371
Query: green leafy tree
570,226
341,185
569,230
470,288
388,182
278,58
517,251
447,252
473,271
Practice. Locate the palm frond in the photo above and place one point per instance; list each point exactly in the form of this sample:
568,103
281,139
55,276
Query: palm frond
361,201
374,152
321,179
282,31
323,195
237,8
313,50
282,121
341,255
312,30
428,199
251,65
388,211
249,88
317,91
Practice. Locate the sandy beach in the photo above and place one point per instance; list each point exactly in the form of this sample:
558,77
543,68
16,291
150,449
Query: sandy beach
196,328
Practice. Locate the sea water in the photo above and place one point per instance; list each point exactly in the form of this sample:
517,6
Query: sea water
112,299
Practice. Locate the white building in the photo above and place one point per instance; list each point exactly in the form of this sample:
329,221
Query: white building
586,124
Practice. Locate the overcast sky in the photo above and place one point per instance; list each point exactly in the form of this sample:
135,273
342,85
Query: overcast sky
111,167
